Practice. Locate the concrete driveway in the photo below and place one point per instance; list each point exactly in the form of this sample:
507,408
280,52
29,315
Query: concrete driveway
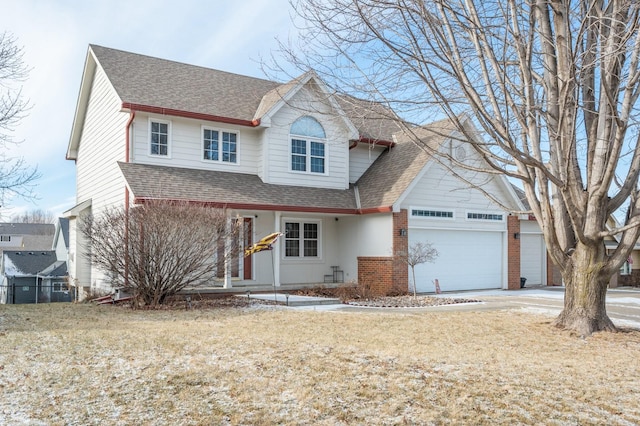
623,304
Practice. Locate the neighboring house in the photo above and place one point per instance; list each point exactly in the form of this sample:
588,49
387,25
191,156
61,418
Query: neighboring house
26,236
537,268
35,269
33,277
347,187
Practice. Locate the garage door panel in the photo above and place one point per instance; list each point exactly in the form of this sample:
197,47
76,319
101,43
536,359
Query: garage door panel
531,257
467,260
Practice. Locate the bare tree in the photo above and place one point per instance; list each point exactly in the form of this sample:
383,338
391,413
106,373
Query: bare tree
417,254
157,249
552,85
16,177
34,216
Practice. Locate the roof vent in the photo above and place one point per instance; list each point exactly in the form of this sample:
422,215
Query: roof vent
31,253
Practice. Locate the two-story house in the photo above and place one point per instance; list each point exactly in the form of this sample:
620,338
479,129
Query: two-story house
345,184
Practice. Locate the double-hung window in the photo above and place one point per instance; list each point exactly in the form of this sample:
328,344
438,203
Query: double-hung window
308,146
160,134
219,145
302,239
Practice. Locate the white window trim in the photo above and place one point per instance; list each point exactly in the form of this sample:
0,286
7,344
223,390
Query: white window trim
62,283
626,268
219,160
308,140
169,137
435,209
301,221
467,212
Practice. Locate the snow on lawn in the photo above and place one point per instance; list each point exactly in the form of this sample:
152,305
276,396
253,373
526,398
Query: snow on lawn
65,364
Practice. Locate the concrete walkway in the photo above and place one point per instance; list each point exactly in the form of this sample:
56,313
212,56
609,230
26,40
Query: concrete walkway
295,300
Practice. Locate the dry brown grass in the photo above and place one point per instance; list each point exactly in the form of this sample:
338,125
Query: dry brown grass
80,364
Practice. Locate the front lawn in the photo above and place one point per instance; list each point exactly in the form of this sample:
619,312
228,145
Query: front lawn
64,364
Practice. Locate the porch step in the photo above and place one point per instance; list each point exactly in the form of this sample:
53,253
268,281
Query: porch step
295,300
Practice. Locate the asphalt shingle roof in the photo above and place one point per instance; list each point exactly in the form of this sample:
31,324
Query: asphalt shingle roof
174,183
28,262
150,81
394,170
145,80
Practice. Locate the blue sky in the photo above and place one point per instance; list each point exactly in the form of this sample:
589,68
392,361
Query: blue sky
230,36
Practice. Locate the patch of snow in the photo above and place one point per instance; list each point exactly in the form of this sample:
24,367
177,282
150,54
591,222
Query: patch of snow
623,301
10,268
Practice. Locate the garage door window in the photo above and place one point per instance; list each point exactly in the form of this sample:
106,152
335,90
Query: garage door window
485,216
432,213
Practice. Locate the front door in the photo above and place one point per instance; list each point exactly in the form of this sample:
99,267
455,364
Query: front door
240,267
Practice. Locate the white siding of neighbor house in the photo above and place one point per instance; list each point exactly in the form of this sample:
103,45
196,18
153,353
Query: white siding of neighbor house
277,154
186,146
102,144
439,190
361,158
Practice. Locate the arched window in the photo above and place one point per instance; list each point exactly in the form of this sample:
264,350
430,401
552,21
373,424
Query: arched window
307,145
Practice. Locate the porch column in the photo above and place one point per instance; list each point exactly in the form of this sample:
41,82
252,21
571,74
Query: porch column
276,251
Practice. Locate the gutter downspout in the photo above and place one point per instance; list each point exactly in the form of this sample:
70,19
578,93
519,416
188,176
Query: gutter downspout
127,154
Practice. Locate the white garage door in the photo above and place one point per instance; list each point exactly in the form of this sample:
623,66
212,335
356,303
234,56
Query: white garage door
531,258
467,260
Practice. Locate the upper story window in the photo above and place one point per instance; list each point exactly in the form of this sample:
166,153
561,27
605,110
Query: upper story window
219,145
160,135
5,238
626,268
308,146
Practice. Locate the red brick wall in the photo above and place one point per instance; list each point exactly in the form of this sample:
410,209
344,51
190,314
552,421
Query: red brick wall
376,274
553,273
513,252
400,245
630,280
382,274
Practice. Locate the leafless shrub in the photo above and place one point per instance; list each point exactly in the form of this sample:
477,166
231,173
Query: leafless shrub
155,250
417,254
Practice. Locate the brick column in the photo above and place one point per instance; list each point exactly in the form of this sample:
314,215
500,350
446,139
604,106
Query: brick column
375,274
400,245
513,252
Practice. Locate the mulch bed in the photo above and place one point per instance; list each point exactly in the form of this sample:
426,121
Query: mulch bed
230,301
408,301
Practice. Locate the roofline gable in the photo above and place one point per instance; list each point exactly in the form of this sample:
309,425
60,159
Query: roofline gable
86,82
302,81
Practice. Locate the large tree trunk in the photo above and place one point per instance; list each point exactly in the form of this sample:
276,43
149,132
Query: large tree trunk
586,284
